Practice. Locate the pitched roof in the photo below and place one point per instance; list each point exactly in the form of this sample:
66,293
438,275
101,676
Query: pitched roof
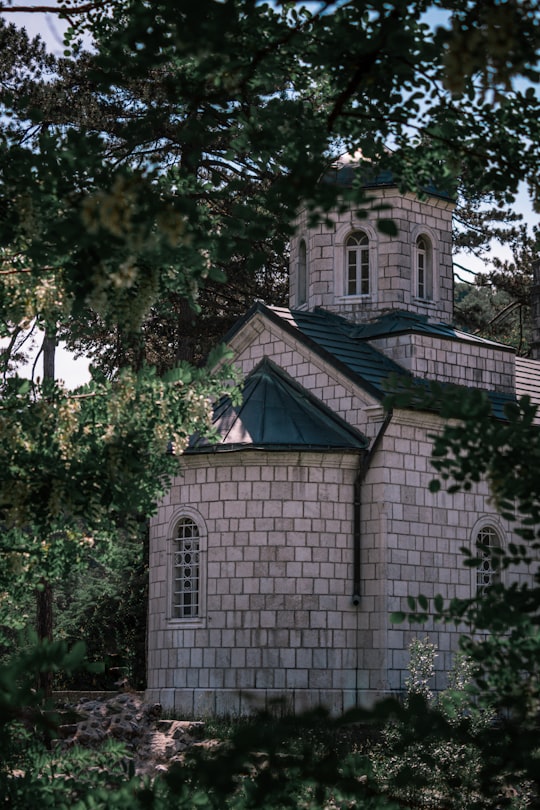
330,336
276,413
346,347
345,173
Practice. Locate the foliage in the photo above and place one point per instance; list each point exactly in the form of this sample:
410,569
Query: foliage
76,465
85,779
174,331
501,622
498,306
105,604
135,172
421,668
493,313
441,766
429,755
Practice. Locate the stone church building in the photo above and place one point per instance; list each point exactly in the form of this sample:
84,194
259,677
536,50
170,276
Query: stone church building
279,554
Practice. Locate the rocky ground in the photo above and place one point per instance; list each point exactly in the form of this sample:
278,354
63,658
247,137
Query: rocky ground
152,743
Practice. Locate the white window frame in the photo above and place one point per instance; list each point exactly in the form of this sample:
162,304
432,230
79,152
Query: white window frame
424,269
179,560
357,265
343,233
425,279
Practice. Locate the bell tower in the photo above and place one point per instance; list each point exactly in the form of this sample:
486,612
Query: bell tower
353,269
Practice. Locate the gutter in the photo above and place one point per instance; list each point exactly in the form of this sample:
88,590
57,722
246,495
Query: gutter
363,468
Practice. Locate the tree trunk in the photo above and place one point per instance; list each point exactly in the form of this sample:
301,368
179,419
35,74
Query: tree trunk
49,353
44,597
185,345
44,617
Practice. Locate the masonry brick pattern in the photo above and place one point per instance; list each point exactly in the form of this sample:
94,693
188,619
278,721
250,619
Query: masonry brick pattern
278,621
392,257
278,628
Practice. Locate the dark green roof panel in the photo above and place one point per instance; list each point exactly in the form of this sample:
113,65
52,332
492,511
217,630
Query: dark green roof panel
277,413
347,174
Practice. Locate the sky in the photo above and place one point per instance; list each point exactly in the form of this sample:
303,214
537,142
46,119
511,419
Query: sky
48,26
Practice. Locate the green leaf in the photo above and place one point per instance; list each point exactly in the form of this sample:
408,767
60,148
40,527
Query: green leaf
218,355
387,226
75,656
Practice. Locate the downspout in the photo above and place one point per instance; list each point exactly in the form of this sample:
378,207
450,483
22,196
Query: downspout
365,462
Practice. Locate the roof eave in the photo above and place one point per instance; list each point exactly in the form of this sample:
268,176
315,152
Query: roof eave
273,448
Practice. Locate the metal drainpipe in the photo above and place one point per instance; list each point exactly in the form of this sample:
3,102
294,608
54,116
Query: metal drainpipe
363,468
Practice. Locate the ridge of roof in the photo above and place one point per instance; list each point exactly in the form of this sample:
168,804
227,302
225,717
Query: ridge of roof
277,413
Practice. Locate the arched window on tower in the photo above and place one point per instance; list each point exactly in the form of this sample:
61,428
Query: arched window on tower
302,273
357,251
424,268
186,590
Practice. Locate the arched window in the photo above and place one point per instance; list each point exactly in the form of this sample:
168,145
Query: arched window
186,590
357,264
302,273
424,268
488,573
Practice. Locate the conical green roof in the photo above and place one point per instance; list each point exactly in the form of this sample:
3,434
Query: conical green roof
275,414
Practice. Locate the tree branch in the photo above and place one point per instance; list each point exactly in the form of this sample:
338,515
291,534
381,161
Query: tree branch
60,10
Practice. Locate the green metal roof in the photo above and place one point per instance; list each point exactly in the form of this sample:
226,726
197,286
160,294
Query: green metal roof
401,322
344,175
498,401
346,346
276,413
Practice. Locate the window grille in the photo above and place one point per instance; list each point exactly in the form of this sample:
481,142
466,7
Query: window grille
487,574
186,581
358,264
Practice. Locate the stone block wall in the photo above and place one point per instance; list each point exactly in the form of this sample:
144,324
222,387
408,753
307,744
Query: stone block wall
391,258
411,541
471,363
277,620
